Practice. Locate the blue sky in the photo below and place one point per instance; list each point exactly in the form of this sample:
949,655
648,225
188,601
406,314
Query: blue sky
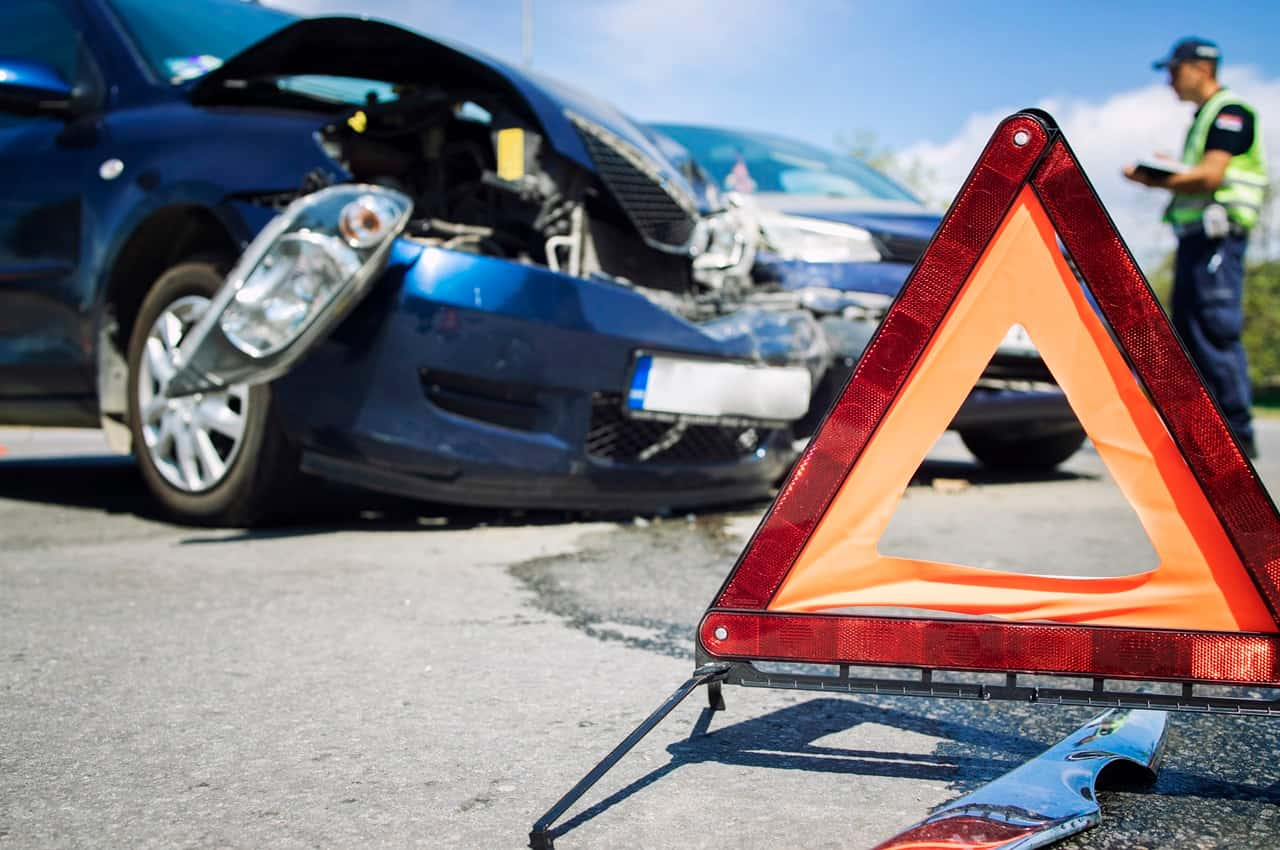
818,69
928,78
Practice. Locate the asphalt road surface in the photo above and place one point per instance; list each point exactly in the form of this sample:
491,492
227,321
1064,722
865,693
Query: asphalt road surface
391,674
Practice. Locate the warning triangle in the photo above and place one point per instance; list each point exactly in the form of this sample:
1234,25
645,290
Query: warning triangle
1206,613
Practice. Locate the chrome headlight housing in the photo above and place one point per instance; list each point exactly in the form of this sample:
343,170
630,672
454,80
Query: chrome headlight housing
812,240
299,274
297,279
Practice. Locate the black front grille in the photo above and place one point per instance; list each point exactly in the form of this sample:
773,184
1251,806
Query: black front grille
901,249
653,211
616,437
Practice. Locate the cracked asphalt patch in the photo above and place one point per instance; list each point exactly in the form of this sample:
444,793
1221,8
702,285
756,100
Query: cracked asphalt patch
602,589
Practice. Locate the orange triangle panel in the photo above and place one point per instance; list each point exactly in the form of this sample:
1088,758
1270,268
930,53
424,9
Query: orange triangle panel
1207,612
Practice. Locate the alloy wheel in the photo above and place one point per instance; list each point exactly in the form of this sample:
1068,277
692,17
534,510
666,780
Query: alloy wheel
192,441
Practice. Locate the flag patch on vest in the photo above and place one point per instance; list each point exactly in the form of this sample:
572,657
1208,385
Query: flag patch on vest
1233,123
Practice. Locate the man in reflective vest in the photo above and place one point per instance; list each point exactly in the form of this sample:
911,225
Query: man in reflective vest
1218,191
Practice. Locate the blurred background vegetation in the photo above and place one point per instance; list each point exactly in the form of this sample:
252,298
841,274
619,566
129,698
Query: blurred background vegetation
1261,322
865,145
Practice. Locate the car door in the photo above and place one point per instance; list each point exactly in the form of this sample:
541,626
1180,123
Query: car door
46,164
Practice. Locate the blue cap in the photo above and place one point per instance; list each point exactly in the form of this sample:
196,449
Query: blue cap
1189,50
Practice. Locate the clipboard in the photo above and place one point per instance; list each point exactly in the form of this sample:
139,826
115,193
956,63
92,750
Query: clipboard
1160,168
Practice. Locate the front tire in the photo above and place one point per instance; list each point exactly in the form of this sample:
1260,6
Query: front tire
211,458
1030,452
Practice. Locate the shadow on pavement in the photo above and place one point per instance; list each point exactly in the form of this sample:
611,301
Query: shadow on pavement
365,510
787,739
360,511
111,484
108,483
975,473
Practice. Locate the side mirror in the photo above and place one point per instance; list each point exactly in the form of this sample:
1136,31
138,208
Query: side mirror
33,88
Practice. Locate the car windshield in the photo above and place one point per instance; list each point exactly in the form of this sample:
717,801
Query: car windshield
182,41
759,162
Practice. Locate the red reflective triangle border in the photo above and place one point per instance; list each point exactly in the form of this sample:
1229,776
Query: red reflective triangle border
1026,149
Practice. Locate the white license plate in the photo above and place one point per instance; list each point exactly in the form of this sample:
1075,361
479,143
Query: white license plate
711,388
1018,341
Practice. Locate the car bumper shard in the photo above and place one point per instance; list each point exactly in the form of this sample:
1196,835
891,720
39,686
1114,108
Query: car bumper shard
1050,797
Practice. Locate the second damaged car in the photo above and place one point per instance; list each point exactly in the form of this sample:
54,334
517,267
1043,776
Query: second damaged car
836,230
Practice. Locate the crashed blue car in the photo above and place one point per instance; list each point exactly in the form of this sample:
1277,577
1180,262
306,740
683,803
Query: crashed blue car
255,248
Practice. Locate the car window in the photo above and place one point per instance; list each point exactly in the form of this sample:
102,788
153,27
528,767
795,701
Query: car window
351,90
39,31
760,162
182,41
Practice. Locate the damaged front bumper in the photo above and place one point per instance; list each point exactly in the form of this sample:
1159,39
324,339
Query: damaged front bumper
456,377
475,380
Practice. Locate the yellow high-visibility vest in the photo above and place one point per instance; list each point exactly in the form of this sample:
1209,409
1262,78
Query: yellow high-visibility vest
1243,187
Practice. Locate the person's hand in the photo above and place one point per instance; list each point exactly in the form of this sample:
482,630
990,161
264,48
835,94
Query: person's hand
1139,176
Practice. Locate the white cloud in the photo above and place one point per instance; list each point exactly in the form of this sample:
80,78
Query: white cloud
661,40
1106,136
676,58
449,19
392,10
631,41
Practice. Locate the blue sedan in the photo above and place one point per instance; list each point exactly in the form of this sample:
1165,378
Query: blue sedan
255,248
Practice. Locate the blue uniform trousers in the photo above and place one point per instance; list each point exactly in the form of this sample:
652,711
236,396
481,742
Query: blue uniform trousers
1208,288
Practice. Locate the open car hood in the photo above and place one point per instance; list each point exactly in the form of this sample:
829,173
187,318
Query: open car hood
374,50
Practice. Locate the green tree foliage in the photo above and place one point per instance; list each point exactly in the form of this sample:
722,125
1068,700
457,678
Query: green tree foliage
909,171
1261,301
1161,281
1261,315
1262,322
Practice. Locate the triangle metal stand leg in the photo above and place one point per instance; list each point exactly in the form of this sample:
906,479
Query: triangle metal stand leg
711,675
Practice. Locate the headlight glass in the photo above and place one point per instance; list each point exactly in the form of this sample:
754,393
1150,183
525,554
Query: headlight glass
305,260
296,278
815,241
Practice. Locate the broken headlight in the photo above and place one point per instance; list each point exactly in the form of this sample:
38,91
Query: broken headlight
297,277
724,244
812,240
301,275
284,285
